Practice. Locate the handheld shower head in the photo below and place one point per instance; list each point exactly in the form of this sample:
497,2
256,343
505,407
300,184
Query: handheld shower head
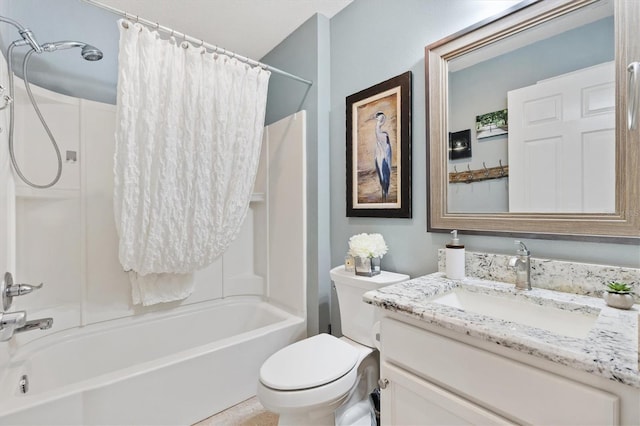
91,53
88,52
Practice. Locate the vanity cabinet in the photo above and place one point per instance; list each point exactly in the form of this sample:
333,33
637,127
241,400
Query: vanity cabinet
434,378
410,400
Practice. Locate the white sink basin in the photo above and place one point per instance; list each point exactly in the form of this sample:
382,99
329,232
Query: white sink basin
522,311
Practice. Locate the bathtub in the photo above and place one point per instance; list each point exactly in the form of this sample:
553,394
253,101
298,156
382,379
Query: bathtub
160,369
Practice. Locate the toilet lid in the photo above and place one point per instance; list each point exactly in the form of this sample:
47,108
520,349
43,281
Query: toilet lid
308,363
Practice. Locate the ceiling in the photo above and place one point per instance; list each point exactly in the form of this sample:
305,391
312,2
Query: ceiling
248,27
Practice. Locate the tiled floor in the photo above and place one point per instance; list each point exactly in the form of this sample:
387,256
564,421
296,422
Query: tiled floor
247,413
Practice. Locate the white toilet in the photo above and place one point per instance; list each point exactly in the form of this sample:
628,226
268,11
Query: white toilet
325,380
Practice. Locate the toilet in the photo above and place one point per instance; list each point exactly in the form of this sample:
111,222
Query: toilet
325,380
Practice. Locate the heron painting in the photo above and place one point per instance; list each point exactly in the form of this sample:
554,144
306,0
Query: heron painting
379,150
384,156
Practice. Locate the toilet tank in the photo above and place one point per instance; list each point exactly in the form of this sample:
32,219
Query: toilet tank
357,317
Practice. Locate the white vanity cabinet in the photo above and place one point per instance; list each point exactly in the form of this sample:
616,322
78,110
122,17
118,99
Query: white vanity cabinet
437,377
410,400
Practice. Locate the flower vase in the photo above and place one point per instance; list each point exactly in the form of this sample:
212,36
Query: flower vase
367,266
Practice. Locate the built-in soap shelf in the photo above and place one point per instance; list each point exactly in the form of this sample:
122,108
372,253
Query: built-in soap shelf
46,194
58,194
258,197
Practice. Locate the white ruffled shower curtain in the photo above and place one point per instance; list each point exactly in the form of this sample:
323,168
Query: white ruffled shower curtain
189,129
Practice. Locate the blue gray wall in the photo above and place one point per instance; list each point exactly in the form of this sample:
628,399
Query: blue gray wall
306,53
371,41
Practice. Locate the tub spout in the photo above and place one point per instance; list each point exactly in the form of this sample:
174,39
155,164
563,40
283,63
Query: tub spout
42,324
9,322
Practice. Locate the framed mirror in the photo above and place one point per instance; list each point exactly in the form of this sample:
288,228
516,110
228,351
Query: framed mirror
531,126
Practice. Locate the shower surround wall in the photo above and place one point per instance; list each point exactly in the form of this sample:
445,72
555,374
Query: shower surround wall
66,237
7,203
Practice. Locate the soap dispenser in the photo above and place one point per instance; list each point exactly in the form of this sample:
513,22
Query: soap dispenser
454,258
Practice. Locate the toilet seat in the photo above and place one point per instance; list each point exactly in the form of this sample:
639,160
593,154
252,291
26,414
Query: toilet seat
309,363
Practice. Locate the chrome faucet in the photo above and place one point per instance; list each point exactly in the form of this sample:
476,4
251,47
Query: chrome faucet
36,324
9,290
522,264
9,322
16,322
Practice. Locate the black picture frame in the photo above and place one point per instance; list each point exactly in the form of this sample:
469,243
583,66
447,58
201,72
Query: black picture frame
460,144
378,121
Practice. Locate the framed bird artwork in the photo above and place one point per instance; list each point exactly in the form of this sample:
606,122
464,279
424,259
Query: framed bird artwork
379,150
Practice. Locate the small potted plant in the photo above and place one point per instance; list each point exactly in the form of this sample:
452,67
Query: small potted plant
618,295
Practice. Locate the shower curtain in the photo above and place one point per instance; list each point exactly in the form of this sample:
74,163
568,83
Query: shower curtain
189,129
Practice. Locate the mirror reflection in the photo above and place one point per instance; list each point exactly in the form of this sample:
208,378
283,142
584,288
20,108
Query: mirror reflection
531,119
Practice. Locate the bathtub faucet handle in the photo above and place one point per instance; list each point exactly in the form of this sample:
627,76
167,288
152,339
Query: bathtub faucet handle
8,290
22,289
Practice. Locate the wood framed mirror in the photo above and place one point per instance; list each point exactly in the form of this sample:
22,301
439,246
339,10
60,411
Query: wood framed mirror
548,171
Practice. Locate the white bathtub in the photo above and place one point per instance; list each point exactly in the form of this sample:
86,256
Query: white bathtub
159,369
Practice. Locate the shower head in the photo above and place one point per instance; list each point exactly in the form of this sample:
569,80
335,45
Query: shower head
91,53
88,52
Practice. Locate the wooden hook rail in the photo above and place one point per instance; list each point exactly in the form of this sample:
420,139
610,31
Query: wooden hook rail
478,175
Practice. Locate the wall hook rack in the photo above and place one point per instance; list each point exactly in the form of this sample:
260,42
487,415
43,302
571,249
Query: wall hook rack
477,175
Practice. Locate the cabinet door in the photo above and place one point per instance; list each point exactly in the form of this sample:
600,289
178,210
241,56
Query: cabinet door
408,400
529,395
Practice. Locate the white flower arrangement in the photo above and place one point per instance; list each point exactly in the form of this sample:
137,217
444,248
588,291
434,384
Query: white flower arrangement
367,245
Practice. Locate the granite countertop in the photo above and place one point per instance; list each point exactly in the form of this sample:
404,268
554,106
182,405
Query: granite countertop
610,349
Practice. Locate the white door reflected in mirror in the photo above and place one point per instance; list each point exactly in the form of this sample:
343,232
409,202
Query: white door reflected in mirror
562,147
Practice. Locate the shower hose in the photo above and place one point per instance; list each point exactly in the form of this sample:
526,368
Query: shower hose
38,113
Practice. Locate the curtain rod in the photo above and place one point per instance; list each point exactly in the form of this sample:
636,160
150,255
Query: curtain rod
199,42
